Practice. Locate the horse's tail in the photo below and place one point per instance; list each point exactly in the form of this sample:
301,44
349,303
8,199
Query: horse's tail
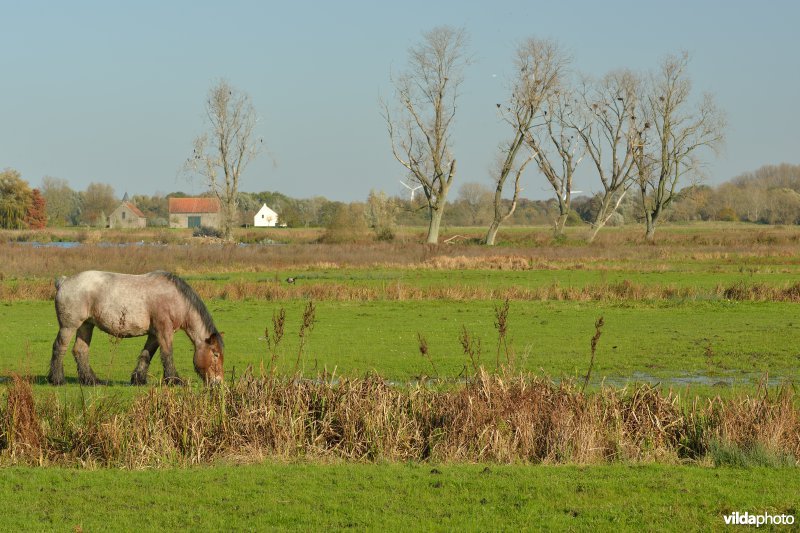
59,281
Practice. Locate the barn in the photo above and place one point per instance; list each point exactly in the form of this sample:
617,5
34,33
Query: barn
127,215
194,212
265,217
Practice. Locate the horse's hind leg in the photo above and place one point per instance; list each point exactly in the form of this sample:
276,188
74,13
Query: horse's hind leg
56,374
81,352
139,376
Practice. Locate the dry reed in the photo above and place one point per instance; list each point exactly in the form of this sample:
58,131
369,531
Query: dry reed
496,418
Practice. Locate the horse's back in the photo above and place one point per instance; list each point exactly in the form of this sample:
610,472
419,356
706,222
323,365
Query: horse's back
117,303
83,285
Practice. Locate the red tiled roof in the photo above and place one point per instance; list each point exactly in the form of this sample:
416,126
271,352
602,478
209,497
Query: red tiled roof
135,209
193,205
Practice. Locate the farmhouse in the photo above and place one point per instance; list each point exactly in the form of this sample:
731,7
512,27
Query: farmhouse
265,217
127,215
194,212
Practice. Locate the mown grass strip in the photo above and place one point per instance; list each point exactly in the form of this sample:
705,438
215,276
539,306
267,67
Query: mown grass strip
405,497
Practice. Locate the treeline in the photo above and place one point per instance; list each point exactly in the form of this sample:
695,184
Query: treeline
56,204
769,195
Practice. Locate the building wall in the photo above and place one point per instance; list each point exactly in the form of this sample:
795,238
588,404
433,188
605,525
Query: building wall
181,220
268,220
123,217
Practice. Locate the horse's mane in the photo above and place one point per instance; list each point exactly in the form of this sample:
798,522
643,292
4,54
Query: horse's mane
193,299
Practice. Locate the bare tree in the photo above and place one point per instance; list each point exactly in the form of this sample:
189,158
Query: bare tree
427,94
476,199
673,133
221,154
558,148
611,104
539,66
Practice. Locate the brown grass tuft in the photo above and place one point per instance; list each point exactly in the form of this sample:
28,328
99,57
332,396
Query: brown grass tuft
499,418
22,433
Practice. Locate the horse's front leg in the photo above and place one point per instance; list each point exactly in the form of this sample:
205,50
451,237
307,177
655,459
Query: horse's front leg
81,353
56,374
165,344
139,376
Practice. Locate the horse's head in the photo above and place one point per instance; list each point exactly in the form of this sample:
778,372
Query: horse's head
208,358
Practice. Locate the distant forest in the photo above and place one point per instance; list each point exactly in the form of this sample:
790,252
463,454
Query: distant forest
769,195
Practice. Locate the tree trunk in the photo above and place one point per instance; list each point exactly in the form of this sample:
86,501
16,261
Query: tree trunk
601,218
595,230
561,221
228,212
491,234
433,227
650,233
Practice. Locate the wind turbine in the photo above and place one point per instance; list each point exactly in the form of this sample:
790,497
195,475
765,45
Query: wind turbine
571,193
410,188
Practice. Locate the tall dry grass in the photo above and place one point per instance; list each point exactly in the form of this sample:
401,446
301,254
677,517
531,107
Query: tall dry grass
44,289
496,418
163,249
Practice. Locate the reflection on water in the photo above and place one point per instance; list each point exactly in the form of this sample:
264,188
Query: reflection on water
745,378
61,244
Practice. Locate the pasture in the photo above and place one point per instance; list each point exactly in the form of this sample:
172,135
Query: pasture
400,497
717,345
707,318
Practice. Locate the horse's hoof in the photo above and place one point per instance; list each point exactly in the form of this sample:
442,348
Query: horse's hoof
173,380
138,379
53,380
91,381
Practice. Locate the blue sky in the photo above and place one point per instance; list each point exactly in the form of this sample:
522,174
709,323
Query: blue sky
113,92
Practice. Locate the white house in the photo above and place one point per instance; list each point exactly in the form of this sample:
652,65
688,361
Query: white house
265,217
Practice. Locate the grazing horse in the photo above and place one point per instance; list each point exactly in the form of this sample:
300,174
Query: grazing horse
124,305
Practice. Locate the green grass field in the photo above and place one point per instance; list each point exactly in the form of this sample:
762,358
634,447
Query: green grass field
407,497
678,343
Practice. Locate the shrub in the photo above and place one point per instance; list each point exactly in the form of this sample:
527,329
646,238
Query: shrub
158,222
348,224
382,215
207,231
574,219
727,214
